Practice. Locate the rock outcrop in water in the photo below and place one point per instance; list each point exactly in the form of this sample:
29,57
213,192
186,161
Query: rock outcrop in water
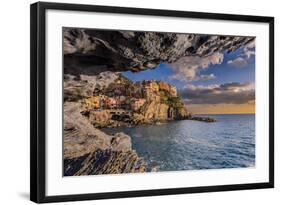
202,119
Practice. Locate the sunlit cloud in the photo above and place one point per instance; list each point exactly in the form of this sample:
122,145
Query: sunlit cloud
207,77
248,49
189,68
239,62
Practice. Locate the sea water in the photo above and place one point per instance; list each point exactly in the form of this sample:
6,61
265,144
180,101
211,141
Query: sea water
193,145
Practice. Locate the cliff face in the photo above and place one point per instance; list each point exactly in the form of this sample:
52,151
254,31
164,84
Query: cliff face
164,107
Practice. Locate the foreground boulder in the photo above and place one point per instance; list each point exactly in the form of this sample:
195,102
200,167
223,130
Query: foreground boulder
88,150
104,162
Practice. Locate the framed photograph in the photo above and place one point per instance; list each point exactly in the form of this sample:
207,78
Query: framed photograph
129,102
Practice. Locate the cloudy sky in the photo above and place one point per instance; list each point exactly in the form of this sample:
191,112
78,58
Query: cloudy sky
222,83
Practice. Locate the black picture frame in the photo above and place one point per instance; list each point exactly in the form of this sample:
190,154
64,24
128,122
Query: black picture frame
38,101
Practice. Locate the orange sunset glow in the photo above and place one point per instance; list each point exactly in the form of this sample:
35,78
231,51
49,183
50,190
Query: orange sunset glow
246,108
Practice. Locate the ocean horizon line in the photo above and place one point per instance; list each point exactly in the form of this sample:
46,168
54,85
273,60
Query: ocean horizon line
223,113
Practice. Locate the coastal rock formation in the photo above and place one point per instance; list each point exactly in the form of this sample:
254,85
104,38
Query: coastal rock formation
122,102
162,111
83,86
202,119
156,110
109,99
84,144
104,162
90,51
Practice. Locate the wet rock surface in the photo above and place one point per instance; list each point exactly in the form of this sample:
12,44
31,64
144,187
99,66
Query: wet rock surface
202,119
